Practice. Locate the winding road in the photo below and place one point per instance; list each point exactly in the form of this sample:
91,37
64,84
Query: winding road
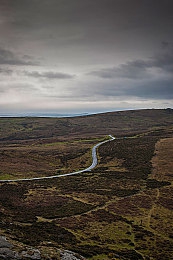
92,166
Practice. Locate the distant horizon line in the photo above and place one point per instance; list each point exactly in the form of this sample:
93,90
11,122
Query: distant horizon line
54,114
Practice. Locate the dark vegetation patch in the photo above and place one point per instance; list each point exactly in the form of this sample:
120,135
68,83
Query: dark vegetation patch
89,250
153,184
124,208
166,202
132,206
102,215
136,152
25,208
39,232
81,222
141,233
130,255
93,250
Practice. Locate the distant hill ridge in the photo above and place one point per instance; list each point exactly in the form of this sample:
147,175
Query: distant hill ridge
117,123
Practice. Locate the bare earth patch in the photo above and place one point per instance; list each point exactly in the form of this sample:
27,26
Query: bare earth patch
163,160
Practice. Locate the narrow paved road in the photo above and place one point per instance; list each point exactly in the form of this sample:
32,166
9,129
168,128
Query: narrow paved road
92,166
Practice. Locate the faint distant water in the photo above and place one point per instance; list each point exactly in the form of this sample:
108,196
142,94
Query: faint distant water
41,115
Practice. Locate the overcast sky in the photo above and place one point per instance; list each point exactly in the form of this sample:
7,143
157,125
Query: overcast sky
76,56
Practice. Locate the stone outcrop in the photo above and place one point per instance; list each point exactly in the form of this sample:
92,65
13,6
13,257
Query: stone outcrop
7,252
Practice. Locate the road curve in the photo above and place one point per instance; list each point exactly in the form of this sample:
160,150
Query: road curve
92,166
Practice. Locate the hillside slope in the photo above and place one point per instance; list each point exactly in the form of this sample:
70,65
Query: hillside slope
120,210
117,123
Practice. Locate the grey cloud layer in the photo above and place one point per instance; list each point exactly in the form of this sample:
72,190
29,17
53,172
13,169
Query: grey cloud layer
137,78
6,71
17,87
35,14
138,69
49,75
132,70
156,90
88,22
7,57
116,41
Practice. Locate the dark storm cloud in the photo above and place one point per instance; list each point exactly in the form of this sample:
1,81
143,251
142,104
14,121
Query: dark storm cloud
165,45
150,89
49,75
164,60
93,21
138,69
132,70
7,57
84,31
87,11
162,89
149,79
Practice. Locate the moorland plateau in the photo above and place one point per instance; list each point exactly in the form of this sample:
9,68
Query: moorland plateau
122,209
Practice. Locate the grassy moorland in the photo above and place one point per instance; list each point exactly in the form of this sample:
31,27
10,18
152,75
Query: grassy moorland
120,210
